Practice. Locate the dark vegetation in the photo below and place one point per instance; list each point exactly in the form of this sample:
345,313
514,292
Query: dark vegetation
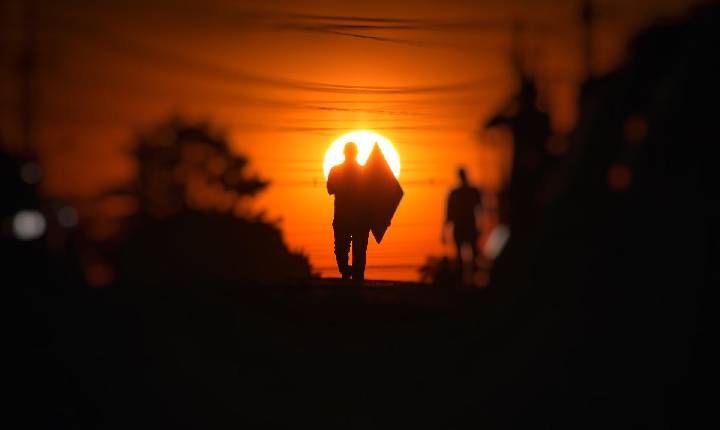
193,220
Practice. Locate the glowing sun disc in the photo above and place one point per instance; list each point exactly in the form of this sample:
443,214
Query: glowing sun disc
364,140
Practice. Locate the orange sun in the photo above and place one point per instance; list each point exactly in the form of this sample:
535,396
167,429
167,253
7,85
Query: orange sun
364,140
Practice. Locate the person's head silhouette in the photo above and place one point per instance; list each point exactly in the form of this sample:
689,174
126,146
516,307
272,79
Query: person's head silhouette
350,151
463,176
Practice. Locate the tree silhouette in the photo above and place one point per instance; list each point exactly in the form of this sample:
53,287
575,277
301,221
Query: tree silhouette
185,165
191,225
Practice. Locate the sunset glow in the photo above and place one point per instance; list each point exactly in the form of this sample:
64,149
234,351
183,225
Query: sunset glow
420,78
364,140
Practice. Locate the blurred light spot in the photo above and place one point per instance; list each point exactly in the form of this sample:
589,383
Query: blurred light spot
635,129
68,217
31,173
496,241
98,274
619,177
28,225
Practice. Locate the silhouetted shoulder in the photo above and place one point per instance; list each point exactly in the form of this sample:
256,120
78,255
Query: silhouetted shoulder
469,195
333,179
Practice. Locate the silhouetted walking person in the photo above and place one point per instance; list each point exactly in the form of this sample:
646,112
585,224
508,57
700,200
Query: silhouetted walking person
462,204
351,221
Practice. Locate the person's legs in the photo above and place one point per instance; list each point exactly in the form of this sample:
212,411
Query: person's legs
359,249
459,242
342,249
475,251
466,237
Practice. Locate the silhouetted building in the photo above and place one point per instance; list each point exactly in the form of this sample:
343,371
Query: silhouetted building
619,269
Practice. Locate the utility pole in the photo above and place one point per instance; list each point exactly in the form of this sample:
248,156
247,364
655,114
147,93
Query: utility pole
517,51
27,67
587,15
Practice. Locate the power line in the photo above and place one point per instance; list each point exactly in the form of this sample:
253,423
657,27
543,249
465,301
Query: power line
174,59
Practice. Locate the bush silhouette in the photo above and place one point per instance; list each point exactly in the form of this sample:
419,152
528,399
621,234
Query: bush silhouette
191,223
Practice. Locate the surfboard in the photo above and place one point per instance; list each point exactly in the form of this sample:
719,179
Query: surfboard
382,192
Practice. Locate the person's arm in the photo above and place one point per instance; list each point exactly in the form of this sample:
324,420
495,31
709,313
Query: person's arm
331,182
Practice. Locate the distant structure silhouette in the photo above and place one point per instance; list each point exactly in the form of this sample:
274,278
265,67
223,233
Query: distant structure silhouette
523,202
625,256
462,204
530,128
351,224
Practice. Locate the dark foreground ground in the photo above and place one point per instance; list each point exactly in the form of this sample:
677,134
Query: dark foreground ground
321,354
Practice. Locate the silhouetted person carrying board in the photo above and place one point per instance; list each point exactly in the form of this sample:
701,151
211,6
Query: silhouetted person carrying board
462,204
366,198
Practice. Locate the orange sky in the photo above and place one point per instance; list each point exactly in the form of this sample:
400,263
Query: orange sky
285,80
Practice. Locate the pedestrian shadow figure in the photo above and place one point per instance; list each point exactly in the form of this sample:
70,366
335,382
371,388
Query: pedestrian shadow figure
463,205
366,198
